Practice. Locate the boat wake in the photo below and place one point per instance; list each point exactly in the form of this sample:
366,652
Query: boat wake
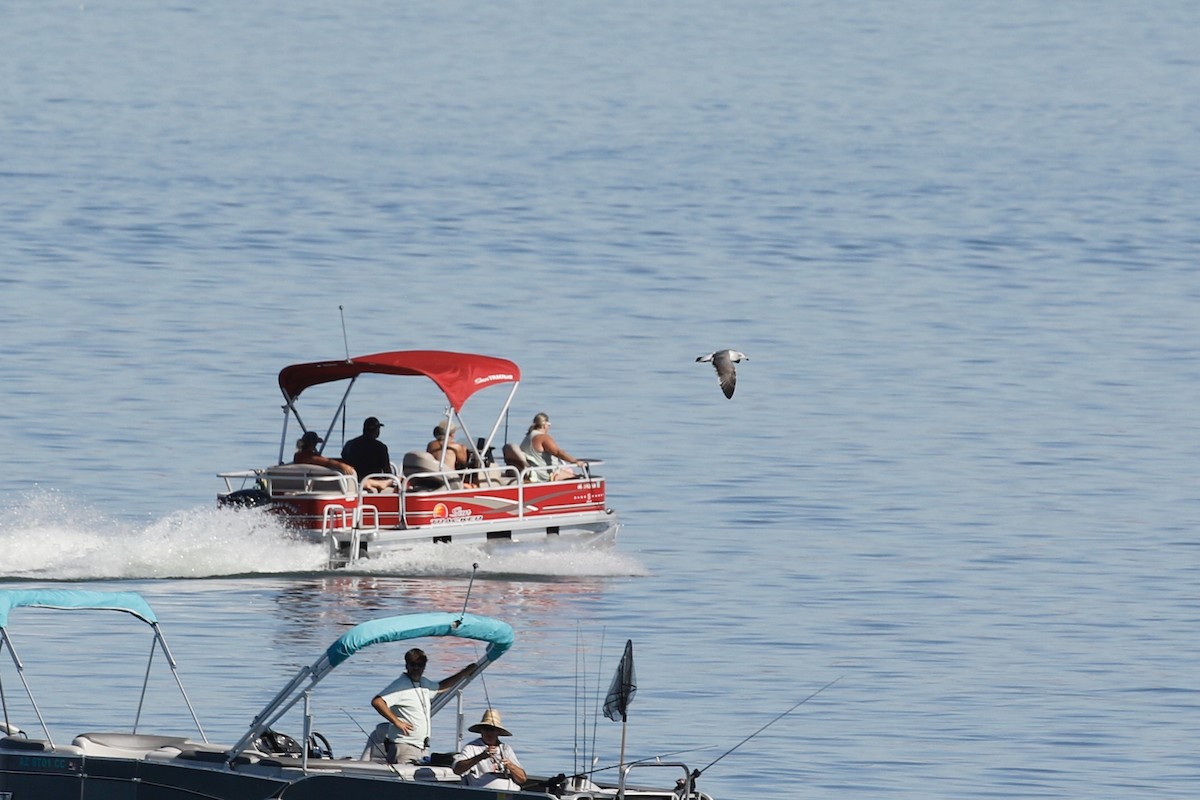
45,536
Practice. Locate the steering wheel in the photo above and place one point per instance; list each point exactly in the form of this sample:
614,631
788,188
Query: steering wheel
318,746
277,744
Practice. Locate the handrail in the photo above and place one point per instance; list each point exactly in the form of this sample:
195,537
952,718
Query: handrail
242,474
363,512
688,784
335,510
327,529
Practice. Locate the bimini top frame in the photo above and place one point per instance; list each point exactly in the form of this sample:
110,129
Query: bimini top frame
498,635
79,600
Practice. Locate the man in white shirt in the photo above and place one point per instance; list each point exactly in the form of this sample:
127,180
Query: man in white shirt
406,704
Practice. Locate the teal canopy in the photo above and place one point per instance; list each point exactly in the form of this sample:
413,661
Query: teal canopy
499,635
129,602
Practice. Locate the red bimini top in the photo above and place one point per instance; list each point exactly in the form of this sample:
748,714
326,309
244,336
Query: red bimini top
458,375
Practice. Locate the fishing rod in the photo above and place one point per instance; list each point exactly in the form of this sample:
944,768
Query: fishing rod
474,569
596,714
467,599
560,779
374,745
646,760
346,344
345,339
697,773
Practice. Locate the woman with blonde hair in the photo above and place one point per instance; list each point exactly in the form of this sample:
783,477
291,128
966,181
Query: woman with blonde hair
540,450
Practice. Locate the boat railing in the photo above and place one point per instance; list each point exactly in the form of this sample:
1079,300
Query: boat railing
687,788
292,479
336,517
434,481
244,476
368,518
540,474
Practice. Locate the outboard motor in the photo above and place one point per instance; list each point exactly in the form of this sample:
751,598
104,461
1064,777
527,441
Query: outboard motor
245,498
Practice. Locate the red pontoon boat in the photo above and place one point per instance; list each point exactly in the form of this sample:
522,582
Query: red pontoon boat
429,501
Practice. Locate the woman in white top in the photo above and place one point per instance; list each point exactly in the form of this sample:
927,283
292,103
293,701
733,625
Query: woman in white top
541,450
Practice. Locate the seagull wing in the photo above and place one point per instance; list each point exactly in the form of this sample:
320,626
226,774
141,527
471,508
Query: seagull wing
726,373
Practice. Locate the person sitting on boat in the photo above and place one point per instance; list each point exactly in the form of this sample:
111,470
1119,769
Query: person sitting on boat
540,450
406,704
307,453
457,457
487,761
369,456
443,437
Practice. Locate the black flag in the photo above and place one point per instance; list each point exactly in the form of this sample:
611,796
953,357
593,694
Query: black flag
623,688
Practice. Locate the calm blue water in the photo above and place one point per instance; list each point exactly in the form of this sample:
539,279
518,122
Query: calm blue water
958,241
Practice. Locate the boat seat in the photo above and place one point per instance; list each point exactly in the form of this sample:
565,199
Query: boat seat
308,478
418,462
513,457
21,743
296,762
373,750
210,756
126,745
428,772
37,746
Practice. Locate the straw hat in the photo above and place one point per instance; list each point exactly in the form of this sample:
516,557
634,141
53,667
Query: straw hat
491,719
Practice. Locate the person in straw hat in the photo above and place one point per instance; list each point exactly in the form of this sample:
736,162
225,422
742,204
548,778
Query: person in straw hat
487,761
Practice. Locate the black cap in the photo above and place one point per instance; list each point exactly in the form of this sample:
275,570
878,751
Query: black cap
371,422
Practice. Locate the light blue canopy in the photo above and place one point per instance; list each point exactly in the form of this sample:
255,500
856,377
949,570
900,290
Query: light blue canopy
129,602
83,600
499,635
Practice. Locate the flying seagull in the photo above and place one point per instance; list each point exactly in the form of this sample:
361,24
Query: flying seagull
723,361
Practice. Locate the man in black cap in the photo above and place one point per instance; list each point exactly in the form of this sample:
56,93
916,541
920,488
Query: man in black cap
368,455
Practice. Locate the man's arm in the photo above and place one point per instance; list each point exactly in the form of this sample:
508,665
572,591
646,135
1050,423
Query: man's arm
385,711
451,681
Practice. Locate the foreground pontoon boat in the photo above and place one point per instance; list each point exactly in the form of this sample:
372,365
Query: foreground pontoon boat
264,764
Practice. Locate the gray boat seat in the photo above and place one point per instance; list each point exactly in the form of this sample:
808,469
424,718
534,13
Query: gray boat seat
37,746
418,462
373,750
21,743
284,479
125,745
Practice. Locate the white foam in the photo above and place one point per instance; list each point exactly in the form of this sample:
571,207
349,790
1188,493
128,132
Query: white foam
45,536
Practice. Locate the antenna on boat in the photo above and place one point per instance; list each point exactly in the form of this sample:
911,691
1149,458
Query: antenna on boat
596,717
467,599
345,340
578,696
